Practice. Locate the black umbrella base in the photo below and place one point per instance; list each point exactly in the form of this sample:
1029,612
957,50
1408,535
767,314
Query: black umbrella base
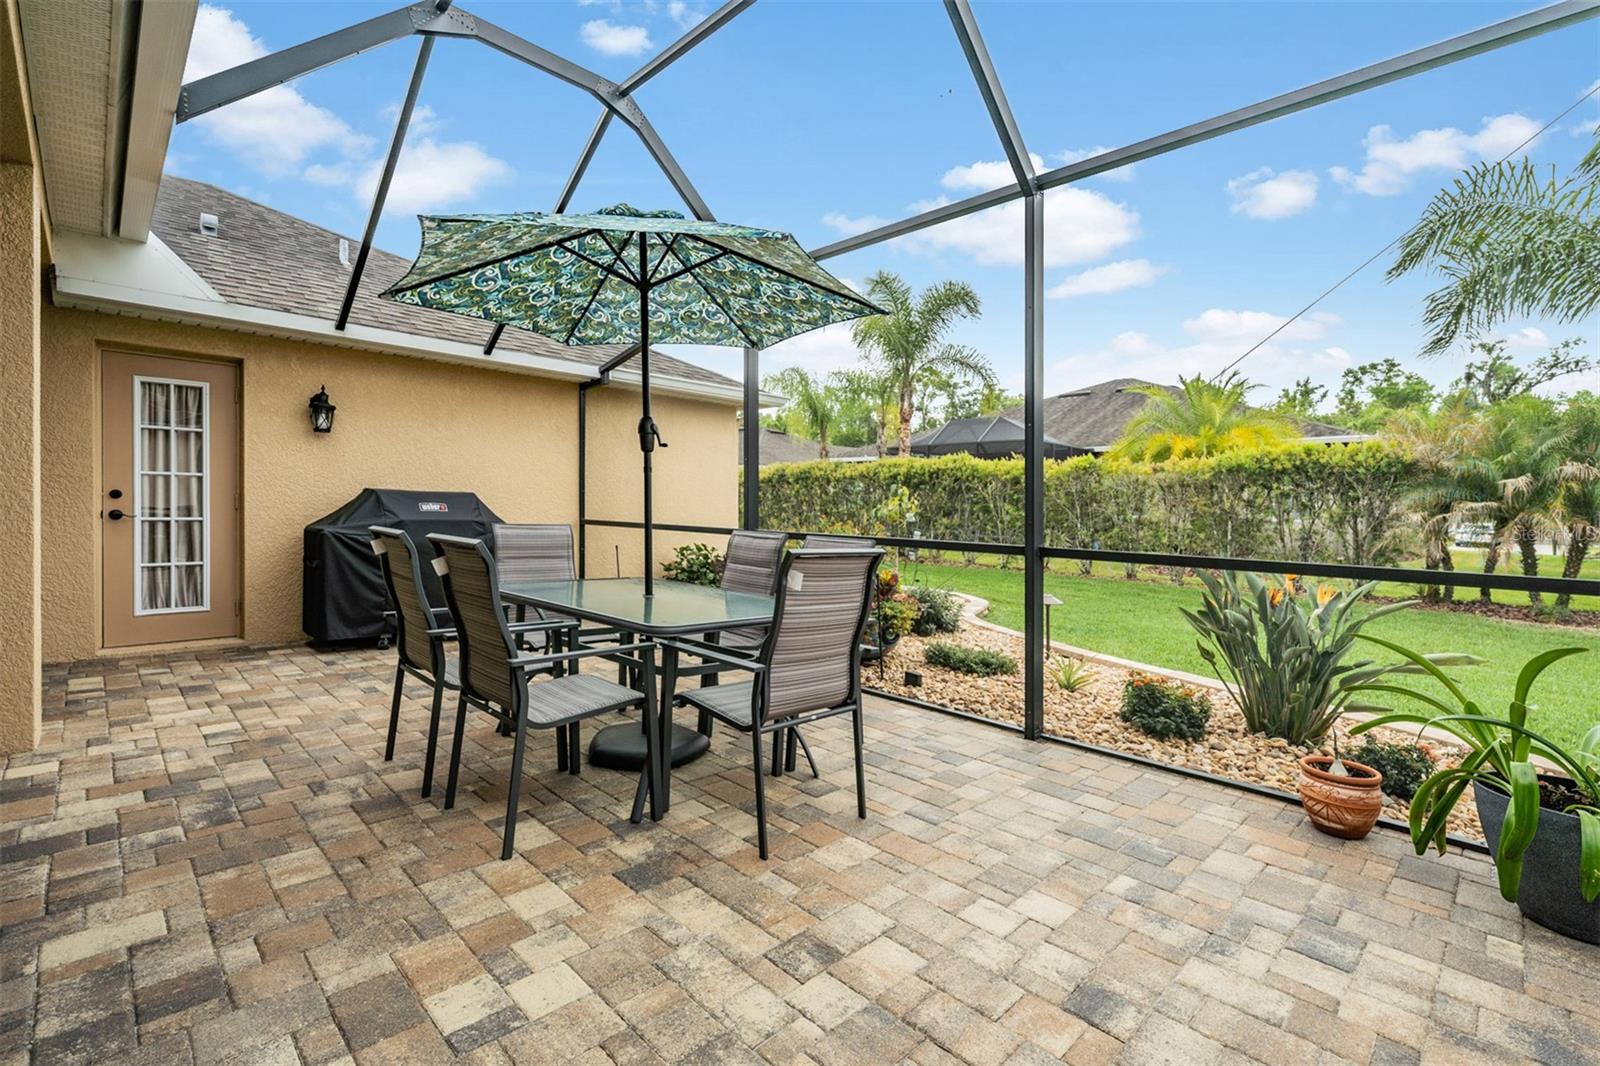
621,747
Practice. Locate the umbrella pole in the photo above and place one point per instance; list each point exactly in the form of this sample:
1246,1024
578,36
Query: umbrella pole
647,427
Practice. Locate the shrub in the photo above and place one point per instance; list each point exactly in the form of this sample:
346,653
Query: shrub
1165,709
898,615
978,661
698,564
1345,504
1403,766
941,610
1070,674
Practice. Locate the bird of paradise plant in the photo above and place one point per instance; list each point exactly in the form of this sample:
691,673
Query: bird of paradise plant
1500,752
1279,649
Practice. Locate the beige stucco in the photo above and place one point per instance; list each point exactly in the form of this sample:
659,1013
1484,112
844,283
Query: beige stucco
20,621
24,232
401,423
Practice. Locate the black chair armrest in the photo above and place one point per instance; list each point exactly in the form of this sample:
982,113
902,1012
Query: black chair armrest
536,662
714,654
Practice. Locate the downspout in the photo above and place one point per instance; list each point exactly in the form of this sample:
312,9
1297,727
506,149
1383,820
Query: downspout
583,463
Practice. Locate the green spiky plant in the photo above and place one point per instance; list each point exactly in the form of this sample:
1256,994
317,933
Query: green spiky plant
1500,751
1279,649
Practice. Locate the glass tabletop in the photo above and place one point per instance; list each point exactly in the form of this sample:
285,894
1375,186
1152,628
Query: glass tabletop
676,608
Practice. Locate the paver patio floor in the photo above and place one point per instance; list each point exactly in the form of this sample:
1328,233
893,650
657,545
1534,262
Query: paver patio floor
207,860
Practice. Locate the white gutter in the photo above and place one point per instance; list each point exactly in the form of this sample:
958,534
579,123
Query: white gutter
164,30
150,281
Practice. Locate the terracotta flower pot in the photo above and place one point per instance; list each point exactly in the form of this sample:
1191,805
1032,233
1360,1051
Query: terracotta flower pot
1345,807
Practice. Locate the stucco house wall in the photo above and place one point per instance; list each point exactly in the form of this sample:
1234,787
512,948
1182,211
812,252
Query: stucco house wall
402,422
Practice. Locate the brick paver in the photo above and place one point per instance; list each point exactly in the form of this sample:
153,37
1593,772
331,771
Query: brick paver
207,861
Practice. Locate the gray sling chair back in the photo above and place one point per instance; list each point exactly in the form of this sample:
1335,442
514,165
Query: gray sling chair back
808,667
497,674
750,564
422,631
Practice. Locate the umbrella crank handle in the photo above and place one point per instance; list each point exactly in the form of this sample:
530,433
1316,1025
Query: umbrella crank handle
649,435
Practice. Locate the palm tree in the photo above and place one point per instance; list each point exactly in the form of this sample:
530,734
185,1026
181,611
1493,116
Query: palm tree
1577,505
1436,439
810,400
1199,418
1511,244
1515,474
908,343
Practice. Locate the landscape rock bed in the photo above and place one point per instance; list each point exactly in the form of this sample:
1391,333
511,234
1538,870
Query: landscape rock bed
1090,715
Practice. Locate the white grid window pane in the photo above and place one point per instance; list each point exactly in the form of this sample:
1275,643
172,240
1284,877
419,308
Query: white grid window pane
155,591
188,401
188,542
171,564
189,588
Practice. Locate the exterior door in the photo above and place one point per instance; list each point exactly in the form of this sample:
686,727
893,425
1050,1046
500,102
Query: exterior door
169,502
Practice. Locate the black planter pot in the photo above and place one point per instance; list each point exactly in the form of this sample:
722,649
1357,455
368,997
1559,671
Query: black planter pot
1549,891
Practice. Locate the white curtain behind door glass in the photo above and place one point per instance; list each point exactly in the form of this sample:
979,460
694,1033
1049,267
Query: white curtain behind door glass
169,439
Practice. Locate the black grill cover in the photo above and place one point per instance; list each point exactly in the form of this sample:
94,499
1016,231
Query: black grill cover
342,597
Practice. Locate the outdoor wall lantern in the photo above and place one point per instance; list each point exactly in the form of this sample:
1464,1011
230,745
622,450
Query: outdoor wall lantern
321,412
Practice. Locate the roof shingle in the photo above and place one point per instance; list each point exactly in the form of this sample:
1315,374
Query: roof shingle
264,258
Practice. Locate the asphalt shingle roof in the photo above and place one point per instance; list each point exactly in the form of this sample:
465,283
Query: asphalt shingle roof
1094,417
264,258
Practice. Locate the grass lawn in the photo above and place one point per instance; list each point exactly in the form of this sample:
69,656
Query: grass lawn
1139,620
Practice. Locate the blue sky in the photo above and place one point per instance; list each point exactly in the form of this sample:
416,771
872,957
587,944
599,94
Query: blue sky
826,118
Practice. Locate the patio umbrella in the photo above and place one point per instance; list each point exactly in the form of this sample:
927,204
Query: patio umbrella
621,275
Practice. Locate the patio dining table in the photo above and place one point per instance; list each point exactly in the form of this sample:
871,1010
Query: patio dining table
677,609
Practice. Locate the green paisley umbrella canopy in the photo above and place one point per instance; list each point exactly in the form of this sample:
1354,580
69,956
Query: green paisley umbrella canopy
577,278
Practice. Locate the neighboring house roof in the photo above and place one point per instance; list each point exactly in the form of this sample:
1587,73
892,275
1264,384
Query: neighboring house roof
268,272
987,436
779,447
1094,417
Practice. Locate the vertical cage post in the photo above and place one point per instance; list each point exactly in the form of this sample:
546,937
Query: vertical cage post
1034,635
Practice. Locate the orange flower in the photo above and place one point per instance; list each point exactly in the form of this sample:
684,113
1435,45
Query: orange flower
1275,596
1325,593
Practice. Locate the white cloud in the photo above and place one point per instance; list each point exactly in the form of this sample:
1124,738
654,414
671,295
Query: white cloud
1081,225
983,176
821,351
1528,337
1218,337
1220,324
1075,155
851,226
274,130
1112,277
431,174
1265,194
685,15
609,38
1391,162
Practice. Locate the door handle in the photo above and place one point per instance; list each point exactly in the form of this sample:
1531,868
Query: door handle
114,514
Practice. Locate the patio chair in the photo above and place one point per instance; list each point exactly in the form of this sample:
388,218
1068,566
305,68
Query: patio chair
496,675
421,633
807,668
835,540
750,564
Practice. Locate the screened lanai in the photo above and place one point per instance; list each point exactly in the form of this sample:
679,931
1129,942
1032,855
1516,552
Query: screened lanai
620,115
1088,803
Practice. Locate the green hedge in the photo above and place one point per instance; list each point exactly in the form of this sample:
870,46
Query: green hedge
1332,504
